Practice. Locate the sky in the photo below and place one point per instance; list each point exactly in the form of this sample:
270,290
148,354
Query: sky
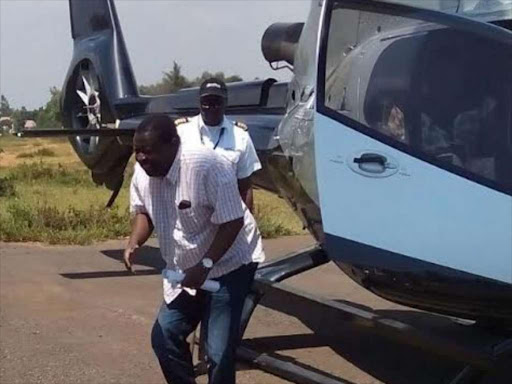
214,35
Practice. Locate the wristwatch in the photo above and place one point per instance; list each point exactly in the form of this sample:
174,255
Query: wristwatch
207,263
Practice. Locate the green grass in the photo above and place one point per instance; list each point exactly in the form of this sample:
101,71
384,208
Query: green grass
54,213
58,205
45,201
39,172
49,224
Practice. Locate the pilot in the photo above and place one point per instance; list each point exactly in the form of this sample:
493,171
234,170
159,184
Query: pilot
230,139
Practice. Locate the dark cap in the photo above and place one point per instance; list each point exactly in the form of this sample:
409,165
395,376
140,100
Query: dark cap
214,87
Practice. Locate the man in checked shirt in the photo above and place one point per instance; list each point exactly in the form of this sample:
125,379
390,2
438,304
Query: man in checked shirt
190,197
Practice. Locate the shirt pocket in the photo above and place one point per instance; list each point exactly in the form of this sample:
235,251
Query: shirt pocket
230,155
188,222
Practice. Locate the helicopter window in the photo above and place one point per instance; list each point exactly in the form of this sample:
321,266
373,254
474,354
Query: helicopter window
435,90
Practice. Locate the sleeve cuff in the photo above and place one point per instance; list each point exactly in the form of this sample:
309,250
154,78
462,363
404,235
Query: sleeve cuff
245,173
222,219
136,209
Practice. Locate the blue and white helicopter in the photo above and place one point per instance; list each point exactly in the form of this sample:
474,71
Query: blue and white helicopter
392,142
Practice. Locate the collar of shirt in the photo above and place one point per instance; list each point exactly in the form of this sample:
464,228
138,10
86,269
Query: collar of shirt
210,128
174,171
227,141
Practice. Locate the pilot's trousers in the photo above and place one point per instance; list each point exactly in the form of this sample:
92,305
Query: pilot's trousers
220,314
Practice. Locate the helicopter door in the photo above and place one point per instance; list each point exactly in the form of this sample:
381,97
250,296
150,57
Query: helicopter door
413,137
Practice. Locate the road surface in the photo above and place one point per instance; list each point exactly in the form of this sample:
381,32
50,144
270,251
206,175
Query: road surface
72,315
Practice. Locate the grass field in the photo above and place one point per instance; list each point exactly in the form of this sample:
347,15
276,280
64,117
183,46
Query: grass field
47,195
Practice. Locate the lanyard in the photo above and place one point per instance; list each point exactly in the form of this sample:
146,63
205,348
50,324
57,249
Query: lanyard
218,139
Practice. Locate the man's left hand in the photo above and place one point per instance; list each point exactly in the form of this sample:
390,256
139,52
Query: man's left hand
195,276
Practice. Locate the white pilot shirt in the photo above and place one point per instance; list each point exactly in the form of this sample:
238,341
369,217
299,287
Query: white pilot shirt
228,140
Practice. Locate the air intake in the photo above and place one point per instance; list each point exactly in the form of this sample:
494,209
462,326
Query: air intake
280,40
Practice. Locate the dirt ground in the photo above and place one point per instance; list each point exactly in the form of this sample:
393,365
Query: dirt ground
72,315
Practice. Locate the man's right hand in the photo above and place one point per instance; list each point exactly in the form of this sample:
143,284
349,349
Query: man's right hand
142,227
129,254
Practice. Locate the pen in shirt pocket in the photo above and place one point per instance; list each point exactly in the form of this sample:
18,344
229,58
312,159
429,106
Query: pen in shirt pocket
184,204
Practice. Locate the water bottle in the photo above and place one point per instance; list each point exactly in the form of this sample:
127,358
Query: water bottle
177,277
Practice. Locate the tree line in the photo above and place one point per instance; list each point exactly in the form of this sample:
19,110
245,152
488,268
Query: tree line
174,80
45,117
48,116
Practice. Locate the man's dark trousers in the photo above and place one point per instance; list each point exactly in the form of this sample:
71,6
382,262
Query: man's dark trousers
219,313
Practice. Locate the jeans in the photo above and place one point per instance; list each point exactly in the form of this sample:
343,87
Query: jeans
219,314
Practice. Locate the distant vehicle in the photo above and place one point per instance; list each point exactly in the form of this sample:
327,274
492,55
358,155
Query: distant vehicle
392,142
5,124
29,125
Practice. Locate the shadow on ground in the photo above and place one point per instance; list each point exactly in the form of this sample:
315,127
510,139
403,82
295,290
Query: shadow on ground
146,256
389,361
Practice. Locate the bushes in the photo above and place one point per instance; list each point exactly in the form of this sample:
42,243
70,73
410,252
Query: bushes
50,224
23,218
271,226
7,188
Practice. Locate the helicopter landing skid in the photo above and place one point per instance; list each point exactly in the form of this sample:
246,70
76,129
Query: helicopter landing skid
480,360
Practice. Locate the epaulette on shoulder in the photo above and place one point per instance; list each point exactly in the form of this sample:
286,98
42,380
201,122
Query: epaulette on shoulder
239,124
181,120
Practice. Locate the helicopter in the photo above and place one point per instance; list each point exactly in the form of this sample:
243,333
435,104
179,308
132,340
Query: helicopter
392,142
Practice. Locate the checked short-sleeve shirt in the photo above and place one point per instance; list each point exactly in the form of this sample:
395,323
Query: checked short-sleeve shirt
187,206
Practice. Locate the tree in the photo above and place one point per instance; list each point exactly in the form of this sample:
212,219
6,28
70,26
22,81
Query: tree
219,75
49,116
5,108
233,79
173,80
19,116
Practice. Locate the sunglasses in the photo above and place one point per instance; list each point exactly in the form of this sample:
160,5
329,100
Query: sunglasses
208,106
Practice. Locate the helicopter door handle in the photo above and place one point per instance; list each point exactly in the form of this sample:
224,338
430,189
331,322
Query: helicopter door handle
373,164
371,159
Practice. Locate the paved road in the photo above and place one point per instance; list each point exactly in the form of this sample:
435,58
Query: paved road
72,315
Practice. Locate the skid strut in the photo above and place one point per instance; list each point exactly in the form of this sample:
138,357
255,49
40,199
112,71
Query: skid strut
268,281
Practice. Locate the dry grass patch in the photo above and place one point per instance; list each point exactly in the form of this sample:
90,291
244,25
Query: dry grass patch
54,150
42,152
